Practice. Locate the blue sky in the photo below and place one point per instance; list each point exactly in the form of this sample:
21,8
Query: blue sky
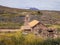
40,4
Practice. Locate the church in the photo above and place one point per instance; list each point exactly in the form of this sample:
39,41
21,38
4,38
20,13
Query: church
36,27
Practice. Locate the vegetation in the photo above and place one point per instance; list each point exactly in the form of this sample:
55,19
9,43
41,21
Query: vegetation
13,17
10,17
17,38
54,26
10,25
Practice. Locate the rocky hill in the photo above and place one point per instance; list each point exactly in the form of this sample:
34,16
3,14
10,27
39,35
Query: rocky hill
13,17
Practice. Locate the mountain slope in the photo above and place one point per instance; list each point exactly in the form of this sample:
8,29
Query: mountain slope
14,18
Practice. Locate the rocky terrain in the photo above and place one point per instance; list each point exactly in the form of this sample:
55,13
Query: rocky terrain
13,17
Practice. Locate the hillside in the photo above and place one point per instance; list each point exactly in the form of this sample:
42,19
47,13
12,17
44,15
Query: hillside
14,18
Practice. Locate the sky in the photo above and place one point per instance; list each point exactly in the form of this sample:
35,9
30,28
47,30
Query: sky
40,4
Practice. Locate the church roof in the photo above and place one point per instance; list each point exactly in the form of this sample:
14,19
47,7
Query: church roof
33,23
25,27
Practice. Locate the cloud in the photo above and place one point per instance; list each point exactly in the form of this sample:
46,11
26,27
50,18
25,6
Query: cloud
40,4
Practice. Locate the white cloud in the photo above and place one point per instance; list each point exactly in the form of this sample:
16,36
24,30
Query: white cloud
41,4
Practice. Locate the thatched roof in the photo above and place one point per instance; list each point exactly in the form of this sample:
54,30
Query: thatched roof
33,23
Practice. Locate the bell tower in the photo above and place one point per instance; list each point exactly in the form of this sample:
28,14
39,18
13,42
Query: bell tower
27,19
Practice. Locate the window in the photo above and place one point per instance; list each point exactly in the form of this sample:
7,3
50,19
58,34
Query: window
40,31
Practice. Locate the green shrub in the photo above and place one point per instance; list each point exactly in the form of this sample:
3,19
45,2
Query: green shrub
18,38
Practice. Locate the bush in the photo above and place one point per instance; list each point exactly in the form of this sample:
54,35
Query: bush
18,38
